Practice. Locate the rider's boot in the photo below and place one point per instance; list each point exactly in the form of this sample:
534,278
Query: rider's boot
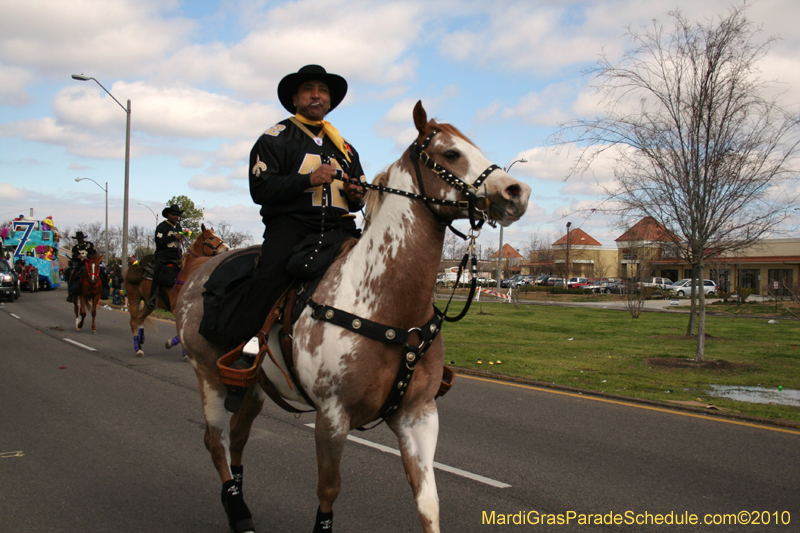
235,395
151,303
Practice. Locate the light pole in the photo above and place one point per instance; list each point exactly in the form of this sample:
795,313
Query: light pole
154,213
108,257
81,77
566,263
500,251
148,207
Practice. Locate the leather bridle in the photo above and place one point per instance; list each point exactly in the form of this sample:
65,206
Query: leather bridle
470,190
477,215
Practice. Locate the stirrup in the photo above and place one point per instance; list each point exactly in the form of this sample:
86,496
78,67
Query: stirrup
235,394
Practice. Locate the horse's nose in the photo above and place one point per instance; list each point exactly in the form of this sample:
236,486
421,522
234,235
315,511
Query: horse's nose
516,191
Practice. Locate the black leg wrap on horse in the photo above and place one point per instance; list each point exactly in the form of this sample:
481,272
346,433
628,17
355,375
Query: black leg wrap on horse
324,523
238,475
239,518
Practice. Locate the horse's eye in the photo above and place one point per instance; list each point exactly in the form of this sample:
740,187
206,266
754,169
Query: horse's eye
452,155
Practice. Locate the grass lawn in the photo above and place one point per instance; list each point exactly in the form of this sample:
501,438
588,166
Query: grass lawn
647,358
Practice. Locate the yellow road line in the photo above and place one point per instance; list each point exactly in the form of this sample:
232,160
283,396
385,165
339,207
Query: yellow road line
632,404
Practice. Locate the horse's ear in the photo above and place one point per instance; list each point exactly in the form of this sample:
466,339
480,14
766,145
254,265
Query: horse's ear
202,227
420,117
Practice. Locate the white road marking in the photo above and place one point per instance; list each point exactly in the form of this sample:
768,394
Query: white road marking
440,466
15,316
81,345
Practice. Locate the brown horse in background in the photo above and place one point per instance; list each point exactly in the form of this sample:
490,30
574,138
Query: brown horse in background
91,289
206,245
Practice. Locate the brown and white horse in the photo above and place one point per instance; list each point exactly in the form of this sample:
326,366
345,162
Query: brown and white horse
91,289
387,277
206,245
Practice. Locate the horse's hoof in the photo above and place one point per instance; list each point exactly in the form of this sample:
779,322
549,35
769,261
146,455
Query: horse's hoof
140,353
94,332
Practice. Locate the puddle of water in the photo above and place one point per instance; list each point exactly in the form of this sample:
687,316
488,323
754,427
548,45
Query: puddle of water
757,394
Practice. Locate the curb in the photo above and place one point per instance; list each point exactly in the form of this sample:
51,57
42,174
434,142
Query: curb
653,403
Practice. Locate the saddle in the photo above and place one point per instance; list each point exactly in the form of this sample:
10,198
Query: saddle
287,310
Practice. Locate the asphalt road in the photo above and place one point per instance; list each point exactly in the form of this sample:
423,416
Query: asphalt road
93,438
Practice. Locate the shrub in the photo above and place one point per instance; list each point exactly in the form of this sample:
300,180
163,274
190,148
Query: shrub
725,295
743,293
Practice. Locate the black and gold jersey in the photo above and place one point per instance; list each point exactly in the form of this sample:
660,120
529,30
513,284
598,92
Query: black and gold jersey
280,166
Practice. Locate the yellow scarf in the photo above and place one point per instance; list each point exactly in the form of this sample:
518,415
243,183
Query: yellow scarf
329,130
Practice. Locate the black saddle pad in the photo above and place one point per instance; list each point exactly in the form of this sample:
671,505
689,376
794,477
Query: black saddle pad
223,293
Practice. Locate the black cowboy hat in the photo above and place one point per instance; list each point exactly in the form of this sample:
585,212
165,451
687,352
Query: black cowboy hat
79,235
337,86
171,209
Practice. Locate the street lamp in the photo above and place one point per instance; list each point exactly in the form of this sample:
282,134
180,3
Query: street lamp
108,257
148,207
566,263
500,252
81,77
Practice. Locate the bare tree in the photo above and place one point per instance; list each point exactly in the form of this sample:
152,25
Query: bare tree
487,251
141,240
699,147
454,247
234,239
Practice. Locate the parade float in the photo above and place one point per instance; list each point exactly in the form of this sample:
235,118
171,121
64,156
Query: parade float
34,242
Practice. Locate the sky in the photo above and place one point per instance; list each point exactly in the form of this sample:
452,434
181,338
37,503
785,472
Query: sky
202,80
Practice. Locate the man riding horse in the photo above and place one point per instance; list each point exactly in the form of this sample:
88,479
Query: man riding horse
80,253
295,171
169,236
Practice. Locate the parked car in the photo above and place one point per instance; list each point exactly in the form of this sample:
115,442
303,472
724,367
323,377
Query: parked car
483,281
555,281
591,281
9,281
541,280
651,281
606,287
573,283
683,287
513,281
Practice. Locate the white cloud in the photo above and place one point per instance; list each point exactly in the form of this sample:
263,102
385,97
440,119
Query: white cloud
211,183
12,85
113,38
175,111
10,193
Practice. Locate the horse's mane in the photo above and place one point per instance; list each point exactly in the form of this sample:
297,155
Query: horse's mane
374,198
